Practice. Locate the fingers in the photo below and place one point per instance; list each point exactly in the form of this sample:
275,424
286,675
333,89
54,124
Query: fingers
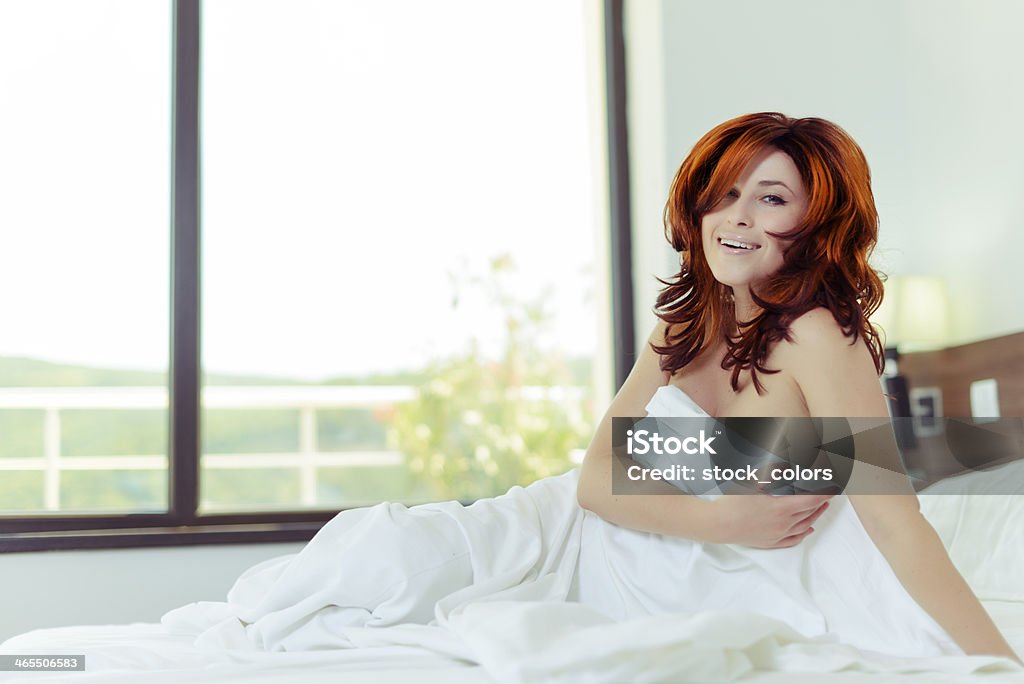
801,512
803,528
815,500
815,514
807,520
793,539
802,505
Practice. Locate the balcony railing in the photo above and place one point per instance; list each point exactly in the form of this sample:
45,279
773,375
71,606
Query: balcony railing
306,399
53,400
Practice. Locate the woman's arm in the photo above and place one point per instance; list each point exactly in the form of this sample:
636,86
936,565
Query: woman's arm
838,379
762,521
917,556
662,513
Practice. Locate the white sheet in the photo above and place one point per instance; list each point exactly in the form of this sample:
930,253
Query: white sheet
388,565
519,642
488,584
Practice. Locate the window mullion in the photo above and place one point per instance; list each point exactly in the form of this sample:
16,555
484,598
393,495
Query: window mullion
623,324
185,271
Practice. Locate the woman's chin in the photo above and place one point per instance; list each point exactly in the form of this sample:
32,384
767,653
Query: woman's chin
737,281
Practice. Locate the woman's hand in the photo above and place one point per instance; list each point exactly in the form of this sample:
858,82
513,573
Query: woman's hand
768,522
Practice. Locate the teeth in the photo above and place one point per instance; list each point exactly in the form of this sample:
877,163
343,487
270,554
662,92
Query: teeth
736,243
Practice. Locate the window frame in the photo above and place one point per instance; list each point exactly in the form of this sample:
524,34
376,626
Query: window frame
181,525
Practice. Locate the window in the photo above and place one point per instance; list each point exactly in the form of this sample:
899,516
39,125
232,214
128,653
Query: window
84,167
396,266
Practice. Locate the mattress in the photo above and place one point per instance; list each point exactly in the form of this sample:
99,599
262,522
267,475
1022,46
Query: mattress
153,653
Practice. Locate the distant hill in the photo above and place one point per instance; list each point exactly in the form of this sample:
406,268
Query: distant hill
21,371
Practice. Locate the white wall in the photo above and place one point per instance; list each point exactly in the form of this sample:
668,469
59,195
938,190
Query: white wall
927,87
57,588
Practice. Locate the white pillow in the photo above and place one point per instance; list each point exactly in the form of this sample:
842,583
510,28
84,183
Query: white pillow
983,532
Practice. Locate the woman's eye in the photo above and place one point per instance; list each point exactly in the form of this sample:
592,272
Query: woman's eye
729,197
774,200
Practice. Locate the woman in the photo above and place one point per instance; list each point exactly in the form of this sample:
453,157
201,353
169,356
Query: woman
774,220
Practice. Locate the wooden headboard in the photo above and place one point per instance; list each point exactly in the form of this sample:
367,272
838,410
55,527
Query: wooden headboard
954,369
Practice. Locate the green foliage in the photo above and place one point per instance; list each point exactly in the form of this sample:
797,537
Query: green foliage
117,491
350,429
472,431
21,433
238,489
348,486
113,432
242,431
21,491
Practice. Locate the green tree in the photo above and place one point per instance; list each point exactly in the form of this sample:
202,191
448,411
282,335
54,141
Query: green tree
477,427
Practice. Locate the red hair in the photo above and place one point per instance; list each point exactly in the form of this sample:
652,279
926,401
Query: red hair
825,263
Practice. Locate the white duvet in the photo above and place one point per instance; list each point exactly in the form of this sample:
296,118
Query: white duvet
528,587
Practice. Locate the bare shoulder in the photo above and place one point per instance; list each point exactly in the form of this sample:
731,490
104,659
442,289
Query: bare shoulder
658,335
816,345
644,378
816,337
835,373
815,329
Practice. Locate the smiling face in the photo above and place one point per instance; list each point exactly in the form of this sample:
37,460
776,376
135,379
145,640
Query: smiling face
769,195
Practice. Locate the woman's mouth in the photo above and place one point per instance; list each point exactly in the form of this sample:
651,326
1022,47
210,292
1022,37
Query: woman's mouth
734,246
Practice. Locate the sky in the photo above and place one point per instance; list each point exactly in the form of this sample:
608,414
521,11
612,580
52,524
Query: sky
355,156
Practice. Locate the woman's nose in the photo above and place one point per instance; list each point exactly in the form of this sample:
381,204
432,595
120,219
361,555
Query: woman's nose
740,214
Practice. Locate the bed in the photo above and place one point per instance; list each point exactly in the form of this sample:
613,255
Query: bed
530,641
147,652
